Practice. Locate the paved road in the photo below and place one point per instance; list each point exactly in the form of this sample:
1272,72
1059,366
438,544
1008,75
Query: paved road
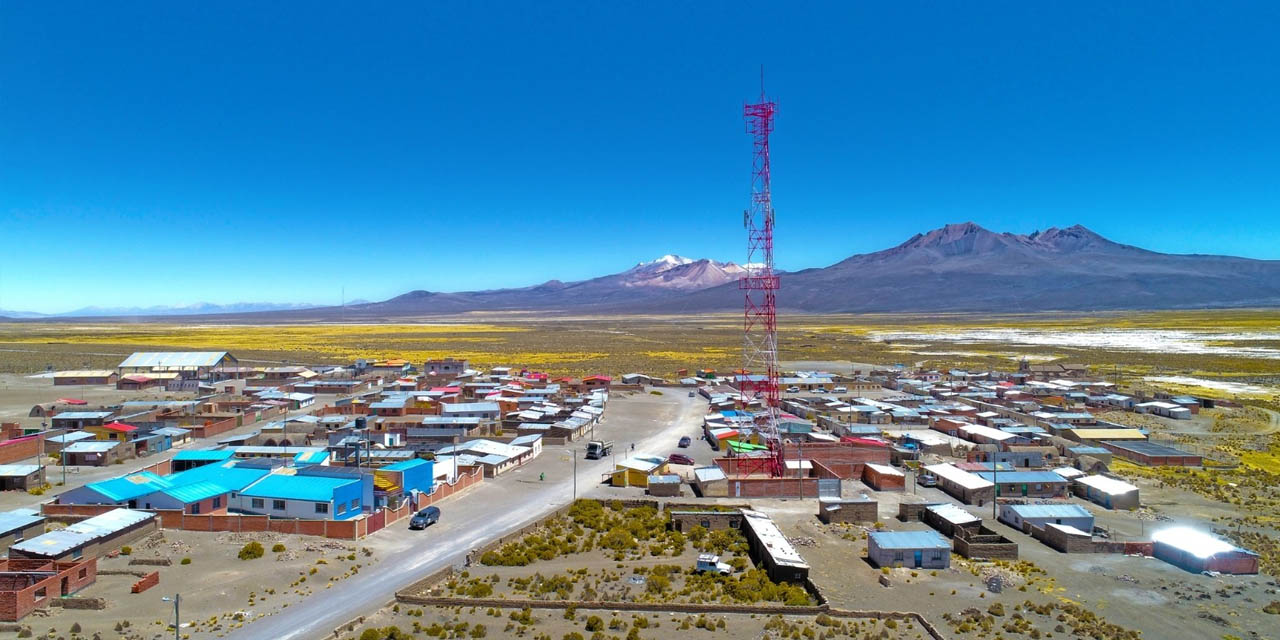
487,512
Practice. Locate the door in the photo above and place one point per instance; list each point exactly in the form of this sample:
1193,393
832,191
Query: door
919,557
1024,490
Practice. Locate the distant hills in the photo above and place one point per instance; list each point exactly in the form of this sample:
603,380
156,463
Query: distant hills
197,309
959,267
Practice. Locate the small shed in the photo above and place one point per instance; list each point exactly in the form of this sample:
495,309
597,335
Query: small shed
1106,491
883,477
91,453
862,509
21,476
911,549
711,482
664,485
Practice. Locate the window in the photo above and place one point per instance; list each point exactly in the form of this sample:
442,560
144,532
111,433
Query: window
898,556
937,554
195,508
77,554
322,507
84,573
257,503
277,505
706,524
342,508
217,501
355,504
40,593
733,524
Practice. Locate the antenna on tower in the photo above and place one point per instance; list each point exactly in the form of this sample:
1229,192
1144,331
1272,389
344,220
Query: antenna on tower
758,379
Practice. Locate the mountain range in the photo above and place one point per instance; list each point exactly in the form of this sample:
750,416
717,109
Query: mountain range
958,267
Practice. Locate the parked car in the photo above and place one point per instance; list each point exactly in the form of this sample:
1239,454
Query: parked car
840,390
686,442
821,389
793,389
709,562
926,480
425,518
679,458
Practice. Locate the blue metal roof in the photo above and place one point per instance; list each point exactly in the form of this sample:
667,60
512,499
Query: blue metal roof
407,464
204,454
311,488
1030,511
227,474
1022,477
196,491
311,457
910,540
130,486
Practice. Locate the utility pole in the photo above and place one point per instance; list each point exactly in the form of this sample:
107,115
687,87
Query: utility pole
574,452
177,624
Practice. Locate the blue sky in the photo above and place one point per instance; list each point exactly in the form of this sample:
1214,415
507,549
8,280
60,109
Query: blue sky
165,153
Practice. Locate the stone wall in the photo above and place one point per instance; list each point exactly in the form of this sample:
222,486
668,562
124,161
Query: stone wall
984,543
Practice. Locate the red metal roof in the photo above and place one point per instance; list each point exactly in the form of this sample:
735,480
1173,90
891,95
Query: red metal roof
120,426
71,401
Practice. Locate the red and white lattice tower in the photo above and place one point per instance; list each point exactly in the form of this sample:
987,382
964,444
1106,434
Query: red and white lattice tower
760,285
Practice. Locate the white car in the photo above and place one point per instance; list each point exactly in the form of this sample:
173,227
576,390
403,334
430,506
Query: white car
711,562
840,390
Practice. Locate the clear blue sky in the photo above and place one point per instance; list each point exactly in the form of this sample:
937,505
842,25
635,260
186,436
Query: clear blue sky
173,152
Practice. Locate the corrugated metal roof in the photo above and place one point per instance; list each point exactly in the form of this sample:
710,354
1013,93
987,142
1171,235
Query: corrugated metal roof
204,454
909,540
82,415
1032,511
70,437
406,465
196,492
962,478
11,521
90,447
130,486
56,543
1107,485
1022,477
311,488
18,470
952,513
165,359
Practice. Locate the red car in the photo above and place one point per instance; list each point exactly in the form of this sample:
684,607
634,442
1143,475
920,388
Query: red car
679,458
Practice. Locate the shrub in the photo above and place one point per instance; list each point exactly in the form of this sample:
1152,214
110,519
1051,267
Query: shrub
126,550
252,551
277,548
185,561
479,631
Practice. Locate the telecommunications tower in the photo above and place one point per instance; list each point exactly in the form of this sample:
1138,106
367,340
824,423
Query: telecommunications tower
759,283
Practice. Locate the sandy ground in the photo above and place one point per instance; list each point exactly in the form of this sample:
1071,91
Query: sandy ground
219,591
499,624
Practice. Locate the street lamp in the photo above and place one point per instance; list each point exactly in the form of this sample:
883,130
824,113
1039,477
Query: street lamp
177,627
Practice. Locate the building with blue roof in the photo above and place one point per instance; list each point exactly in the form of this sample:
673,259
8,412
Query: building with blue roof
306,497
194,498
1024,516
191,459
408,476
911,549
